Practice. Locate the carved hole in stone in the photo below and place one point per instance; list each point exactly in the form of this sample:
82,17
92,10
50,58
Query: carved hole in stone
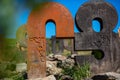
97,24
50,28
98,54
50,31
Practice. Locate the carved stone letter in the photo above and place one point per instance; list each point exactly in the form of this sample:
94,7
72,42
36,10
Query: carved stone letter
105,40
36,34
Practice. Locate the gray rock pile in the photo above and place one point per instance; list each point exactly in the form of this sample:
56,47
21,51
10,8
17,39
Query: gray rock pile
55,63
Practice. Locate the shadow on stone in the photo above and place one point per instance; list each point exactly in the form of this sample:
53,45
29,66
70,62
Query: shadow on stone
25,76
100,77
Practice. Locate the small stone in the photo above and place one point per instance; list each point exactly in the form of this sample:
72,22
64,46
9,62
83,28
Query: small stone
21,67
66,77
68,62
51,55
73,55
51,77
51,63
52,68
60,57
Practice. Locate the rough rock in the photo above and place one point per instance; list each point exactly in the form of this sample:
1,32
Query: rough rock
116,75
50,59
68,63
52,68
107,76
20,67
73,55
51,55
66,77
60,57
51,77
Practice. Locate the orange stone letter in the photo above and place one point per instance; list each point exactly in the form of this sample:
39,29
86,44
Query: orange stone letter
36,34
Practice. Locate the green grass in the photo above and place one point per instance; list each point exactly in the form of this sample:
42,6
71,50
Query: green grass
77,72
9,57
10,52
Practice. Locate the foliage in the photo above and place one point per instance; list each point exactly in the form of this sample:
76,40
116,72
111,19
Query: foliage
11,53
9,56
6,69
78,72
18,76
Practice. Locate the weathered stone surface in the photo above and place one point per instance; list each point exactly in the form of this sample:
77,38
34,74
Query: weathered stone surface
51,77
21,33
106,40
73,55
69,45
57,45
69,62
106,76
21,67
48,47
119,32
115,75
60,45
66,77
21,37
52,68
36,34
60,57
81,60
57,62
50,57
